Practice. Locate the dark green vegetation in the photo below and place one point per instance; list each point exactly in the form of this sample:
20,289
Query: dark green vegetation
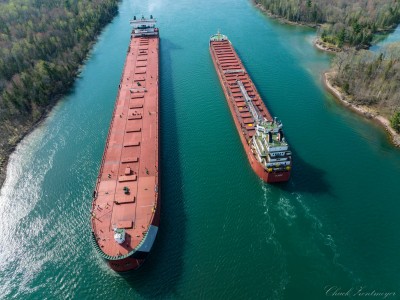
395,121
343,22
372,79
42,44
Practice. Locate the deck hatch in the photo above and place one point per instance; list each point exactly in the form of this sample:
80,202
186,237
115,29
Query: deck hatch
133,106
123,200
124,224
127,178
132,144
135,117
138,129
130,159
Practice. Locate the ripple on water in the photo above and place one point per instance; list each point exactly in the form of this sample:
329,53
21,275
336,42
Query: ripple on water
280,268
323,241
20,200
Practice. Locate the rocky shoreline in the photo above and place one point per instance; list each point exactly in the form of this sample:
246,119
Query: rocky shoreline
326,47
281,19
363,110
334,90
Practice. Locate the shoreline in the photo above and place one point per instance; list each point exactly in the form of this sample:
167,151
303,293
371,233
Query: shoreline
325,47
367,112
362,110
282,19
318,43
26,129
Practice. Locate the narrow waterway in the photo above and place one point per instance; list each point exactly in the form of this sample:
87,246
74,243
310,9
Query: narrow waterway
387,39
224,233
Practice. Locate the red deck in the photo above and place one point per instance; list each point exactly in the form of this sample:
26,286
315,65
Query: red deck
230,69
131,156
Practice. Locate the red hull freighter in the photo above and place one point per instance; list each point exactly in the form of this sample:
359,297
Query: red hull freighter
261,135
126,203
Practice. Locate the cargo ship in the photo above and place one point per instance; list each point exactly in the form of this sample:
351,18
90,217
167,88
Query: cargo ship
126,203
261,135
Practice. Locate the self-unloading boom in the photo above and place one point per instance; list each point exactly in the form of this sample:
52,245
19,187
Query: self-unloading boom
255,113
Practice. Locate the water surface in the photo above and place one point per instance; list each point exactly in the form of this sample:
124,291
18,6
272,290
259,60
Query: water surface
224,233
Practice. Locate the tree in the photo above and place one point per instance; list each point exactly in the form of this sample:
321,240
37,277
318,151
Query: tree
40,54
360,18
395,121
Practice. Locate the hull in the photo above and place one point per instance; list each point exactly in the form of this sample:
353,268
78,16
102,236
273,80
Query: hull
125,265
270,177
126,198
241,117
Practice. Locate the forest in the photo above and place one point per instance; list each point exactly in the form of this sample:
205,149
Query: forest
341,22
372,79
42,45
368,78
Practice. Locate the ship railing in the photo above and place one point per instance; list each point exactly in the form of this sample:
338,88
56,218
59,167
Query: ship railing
144,26
144,22
156,204
118,257
278,164
218,37
150,33
145,30
283,155
109,129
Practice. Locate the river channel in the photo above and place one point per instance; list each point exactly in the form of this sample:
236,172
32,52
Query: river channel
224,233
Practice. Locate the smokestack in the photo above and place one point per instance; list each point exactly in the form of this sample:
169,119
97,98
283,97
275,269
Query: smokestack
269,137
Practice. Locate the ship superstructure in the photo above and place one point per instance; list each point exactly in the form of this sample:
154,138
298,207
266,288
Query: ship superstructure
126,202
261,135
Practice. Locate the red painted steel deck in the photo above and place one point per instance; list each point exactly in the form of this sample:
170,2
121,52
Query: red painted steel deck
229,68
131,155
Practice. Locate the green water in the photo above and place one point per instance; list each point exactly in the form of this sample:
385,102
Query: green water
387,39
224,233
